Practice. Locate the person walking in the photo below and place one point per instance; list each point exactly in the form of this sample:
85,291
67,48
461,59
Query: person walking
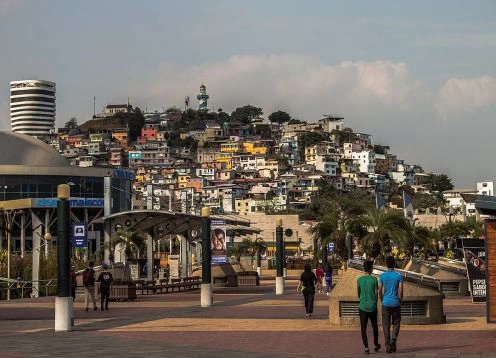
307,283
391,295
89,285
367,289
328,277
320,277
73,277
105,278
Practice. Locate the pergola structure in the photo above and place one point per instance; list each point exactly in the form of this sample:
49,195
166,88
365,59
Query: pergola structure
157,224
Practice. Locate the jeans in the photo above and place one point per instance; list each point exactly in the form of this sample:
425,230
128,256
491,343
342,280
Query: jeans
309,294
328,284
364,317
391,315
104,298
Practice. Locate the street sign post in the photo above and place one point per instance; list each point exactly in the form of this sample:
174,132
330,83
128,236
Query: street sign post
79,235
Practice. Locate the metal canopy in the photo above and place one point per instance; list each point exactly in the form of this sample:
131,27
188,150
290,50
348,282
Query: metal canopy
485,205
159,223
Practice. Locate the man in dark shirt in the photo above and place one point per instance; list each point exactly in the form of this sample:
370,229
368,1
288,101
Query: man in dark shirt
306,285
105,278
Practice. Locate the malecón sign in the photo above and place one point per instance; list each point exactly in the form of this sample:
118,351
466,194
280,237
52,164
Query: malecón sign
75,202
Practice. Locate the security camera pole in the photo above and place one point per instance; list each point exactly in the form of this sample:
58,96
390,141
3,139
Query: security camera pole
279,258
206,286
63,301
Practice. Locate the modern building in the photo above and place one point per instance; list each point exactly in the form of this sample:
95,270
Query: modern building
32,107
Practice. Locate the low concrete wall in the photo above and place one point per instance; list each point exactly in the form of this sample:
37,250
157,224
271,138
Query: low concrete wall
345,294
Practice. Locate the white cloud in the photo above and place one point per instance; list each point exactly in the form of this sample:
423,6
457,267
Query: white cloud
459,97
382,98
301,85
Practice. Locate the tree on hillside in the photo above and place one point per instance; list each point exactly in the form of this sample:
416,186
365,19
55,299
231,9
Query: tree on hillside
439,182
279,117
308,139
134,120
246,113
71,123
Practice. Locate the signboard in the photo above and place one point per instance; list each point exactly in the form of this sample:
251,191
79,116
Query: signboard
75,202
475,259
134,271
79,235
218,241
330,247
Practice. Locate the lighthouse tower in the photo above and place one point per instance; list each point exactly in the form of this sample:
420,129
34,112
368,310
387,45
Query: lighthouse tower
202,98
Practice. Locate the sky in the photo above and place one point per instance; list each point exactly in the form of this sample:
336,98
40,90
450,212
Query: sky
419,76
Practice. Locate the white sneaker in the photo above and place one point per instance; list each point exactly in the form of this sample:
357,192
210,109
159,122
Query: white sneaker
327,293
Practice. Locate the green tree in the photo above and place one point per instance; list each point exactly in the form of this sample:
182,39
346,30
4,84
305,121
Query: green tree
134,120
308,139
439,182
475,226
246,113
131,242
237,250
71,123
383,227
414,237
279,117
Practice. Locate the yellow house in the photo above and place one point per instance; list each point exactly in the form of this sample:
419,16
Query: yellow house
231,147
182,181
121,136
225,158
254,148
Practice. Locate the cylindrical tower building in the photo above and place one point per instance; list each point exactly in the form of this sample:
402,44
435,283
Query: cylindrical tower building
32,107
202,98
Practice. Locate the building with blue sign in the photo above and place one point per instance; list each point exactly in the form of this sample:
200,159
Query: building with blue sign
30,172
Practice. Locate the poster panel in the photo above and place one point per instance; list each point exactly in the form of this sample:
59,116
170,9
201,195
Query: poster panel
475,259
218,241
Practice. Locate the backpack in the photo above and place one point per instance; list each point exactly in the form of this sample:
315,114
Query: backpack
88,277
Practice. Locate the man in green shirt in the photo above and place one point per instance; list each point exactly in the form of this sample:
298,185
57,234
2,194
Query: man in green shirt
367,308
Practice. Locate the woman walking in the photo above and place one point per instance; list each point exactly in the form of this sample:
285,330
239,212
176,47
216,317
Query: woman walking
328,277
307,283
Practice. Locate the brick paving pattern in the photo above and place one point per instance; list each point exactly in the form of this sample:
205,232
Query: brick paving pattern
243,322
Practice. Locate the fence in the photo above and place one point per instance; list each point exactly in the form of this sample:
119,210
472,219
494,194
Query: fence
26,289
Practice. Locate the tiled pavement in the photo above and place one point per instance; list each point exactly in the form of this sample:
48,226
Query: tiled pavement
243,322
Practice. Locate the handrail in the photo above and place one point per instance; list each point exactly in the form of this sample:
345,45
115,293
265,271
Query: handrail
27,289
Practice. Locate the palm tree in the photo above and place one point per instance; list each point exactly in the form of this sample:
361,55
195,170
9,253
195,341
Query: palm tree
453,229
324,232
383,227
415,236
237,250
128,241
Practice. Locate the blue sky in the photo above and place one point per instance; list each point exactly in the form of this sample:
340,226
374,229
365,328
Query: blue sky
418,76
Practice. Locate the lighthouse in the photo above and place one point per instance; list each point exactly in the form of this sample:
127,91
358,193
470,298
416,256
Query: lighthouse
202,98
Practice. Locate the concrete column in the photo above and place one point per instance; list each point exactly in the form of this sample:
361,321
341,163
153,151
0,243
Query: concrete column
149,257
107,210
23,233
185,257
35,272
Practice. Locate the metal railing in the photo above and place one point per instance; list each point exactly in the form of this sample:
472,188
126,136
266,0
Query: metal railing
16,289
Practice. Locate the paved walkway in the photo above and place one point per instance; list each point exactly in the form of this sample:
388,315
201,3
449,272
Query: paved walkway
243,322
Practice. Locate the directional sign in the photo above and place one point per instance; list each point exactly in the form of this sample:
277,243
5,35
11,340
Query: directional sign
330,247
79,235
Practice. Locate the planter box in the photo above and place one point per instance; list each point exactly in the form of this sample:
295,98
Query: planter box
248,281
122,292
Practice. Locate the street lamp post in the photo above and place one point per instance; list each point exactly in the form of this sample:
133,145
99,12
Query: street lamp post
63,301
279,258
206,286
